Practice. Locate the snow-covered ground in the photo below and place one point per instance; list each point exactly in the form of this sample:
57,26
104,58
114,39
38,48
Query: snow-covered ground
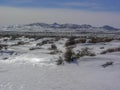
24,69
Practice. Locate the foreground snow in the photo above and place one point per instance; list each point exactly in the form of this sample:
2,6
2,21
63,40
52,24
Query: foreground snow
87,75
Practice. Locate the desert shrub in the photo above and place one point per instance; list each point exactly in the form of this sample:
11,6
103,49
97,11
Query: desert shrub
53,46
107,39
3,46
52,52
39,44
92,40
5,58
6,47
78,55
20,43
99,39
71,41
60,61
92,54
14,37
44,42
101,47
33,36
68,56
34,48
37,37
71,47
110,50
57,38
86,52
5,40
117,49
80,41
107,64
50,42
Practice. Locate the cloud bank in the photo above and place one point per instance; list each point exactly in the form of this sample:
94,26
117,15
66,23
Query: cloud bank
10,15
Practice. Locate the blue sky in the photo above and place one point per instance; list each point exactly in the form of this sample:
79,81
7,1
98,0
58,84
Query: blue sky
94,12
92,5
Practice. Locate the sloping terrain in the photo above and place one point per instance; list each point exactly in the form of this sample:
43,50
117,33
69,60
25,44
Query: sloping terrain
23,68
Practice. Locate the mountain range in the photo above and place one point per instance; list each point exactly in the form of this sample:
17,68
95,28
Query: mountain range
55,26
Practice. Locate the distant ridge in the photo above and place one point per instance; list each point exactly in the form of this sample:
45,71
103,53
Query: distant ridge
56,25
36,27
68,25
109,27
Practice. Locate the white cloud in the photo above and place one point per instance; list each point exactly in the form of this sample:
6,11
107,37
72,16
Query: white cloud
22,1
81,4
10,15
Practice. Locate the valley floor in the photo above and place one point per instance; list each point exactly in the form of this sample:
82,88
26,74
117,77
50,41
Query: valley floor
36,70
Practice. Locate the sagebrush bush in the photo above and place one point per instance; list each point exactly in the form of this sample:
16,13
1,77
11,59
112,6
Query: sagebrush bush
68,56
108,39
99,39
81,41
14,37
3,46
86,52
34,48
71,41
53,46
107,64
57,38
60,61
44,42
101,47
110,50
20,43
38,44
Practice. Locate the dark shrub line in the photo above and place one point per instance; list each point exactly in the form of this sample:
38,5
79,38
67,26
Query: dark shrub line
98,40
70,56
111,50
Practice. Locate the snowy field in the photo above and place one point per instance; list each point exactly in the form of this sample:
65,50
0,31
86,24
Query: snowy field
24,65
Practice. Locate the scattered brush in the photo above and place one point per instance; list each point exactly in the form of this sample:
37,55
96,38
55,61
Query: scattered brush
107,64
60,61
86,52
68,56
20,43
73,41
111,50
34,48
53,47
98,39
101,47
